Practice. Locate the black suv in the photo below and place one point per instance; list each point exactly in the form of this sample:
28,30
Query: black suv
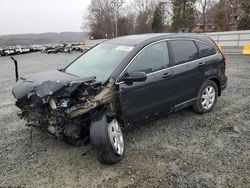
121,82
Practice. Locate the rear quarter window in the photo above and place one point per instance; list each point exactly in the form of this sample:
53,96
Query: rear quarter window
184,51
205,49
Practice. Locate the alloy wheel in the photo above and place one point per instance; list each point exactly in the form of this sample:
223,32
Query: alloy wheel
116,137
208,97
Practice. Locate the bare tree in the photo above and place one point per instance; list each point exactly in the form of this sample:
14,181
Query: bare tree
183,14
203,6
144,9
223,14
116,5
244,18
168,13
112,18
103,16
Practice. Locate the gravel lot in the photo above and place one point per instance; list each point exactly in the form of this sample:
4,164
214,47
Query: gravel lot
181,150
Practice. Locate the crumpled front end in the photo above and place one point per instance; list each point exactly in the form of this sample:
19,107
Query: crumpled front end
59,103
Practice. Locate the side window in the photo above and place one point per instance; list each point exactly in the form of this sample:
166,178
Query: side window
151,59
205,50
184,51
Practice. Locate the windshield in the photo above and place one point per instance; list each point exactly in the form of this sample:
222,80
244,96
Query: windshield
100,61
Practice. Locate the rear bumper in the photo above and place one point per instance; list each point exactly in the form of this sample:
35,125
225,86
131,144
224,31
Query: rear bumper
223,87
224,84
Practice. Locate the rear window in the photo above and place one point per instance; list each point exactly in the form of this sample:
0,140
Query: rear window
205,50
184,51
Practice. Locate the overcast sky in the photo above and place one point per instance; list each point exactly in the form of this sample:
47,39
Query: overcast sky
38,16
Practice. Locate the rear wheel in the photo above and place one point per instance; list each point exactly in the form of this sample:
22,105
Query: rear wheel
207,97
107,139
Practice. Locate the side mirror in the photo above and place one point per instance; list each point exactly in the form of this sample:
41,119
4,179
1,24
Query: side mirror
135,77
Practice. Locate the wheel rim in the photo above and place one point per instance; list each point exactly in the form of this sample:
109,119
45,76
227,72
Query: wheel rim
208,97
116,137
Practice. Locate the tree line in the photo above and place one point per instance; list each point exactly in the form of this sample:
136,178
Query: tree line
112,18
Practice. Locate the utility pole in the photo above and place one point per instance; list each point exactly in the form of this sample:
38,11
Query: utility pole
116,22
116,5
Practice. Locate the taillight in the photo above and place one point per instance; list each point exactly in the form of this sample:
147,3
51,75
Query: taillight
220,50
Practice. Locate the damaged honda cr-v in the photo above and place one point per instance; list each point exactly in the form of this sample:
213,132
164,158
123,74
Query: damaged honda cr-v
121,82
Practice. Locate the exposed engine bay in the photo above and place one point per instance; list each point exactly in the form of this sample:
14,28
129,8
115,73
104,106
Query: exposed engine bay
62,104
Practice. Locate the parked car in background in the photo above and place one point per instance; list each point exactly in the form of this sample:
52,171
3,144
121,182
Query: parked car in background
50,50
1,52
35,48
19,49
119,83
9,51
22,50
56,49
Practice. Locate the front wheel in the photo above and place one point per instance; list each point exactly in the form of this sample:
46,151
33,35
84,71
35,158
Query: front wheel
107,139
207,97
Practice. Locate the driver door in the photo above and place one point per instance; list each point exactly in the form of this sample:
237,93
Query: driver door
146,99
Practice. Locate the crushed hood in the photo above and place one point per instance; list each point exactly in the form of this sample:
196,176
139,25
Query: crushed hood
47,83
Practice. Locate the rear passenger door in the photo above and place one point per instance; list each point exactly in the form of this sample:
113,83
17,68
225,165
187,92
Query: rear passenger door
209,64
186,65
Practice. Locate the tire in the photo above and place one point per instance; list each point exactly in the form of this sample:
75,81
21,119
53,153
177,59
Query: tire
207,97
103,141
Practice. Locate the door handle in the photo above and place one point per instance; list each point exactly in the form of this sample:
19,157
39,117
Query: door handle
167,75
201,64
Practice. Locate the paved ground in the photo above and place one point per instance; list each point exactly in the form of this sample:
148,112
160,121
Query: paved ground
181,150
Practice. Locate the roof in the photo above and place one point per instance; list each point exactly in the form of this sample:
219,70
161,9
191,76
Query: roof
134,40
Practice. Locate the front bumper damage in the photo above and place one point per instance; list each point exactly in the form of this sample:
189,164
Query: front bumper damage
62,104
